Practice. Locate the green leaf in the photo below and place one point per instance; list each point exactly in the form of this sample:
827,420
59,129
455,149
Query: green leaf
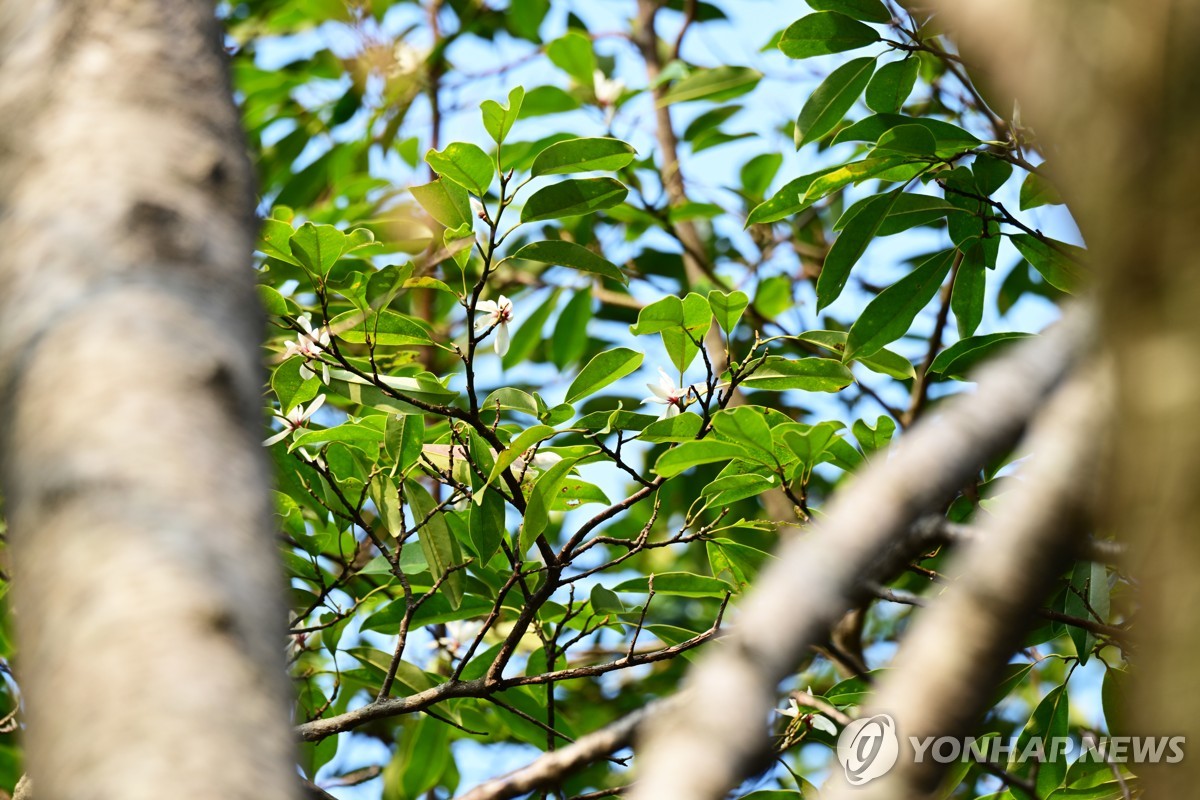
518,447
661,315
582,155
679,428
274,239
486,525
1036,191
466,164
914,140
872,439
1050,720
719,83
526,338
318,247
573,55
605,601
439,546
892,84
273,302
690,454
851,245
733,488
856,172
403,440
1087,593
891,313
290,387
605,368
728,308
1060,270
541,500
682,343
572,198
787,201
809,445
445,201
950,138
358,434
570,254
803,374
957,360
571,332
682,584
866,10
386,328
967,297
835,96
747,426
497,119
885,362
825,32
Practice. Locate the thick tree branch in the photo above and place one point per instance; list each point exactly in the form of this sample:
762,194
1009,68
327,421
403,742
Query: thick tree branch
709,743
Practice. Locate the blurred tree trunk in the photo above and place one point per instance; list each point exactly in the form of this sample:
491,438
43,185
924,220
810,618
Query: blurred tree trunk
148,599
1114,88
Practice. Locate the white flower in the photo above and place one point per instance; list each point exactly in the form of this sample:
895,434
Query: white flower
309,345
540,461
675,398
822,724
295,419
793,709
498,313
458,633
477,208
406,58
608,91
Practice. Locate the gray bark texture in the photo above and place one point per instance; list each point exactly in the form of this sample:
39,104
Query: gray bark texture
147,593
1111,88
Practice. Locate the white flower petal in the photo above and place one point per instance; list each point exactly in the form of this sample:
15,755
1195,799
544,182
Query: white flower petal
658,400
324,373
279,437
502,339
661,395
305,372
312,407
486,306
823,724
672,411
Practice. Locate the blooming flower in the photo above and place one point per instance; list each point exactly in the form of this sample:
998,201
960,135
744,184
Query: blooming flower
294,420
458,633
540,461
675,398
496,313
607,90
309,345
407,59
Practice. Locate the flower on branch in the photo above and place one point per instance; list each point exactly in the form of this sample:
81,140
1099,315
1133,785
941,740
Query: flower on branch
607,90
309,345
294,420
675,398
497,314
540,462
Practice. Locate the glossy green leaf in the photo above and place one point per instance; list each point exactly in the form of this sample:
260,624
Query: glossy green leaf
661,315
1057,262
517,449
733,488
719,83
747,426
573,198
318,247
682,584
891,313
1037,191
866,10
851,245
583,155
690,454
1086,598
847,174
958,359
801,374
787,201
885,362
949,137
679,428
570,254
497,119
874,438
605,368
466,164
967,298
728,308
573,54
541,501
825,32
912,140
383,328
1051,719
445,201
826,106
892,84
439,546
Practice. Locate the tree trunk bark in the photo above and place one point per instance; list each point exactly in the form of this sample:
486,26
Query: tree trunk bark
147,593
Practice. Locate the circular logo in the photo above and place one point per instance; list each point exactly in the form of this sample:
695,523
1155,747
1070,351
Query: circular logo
868,748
